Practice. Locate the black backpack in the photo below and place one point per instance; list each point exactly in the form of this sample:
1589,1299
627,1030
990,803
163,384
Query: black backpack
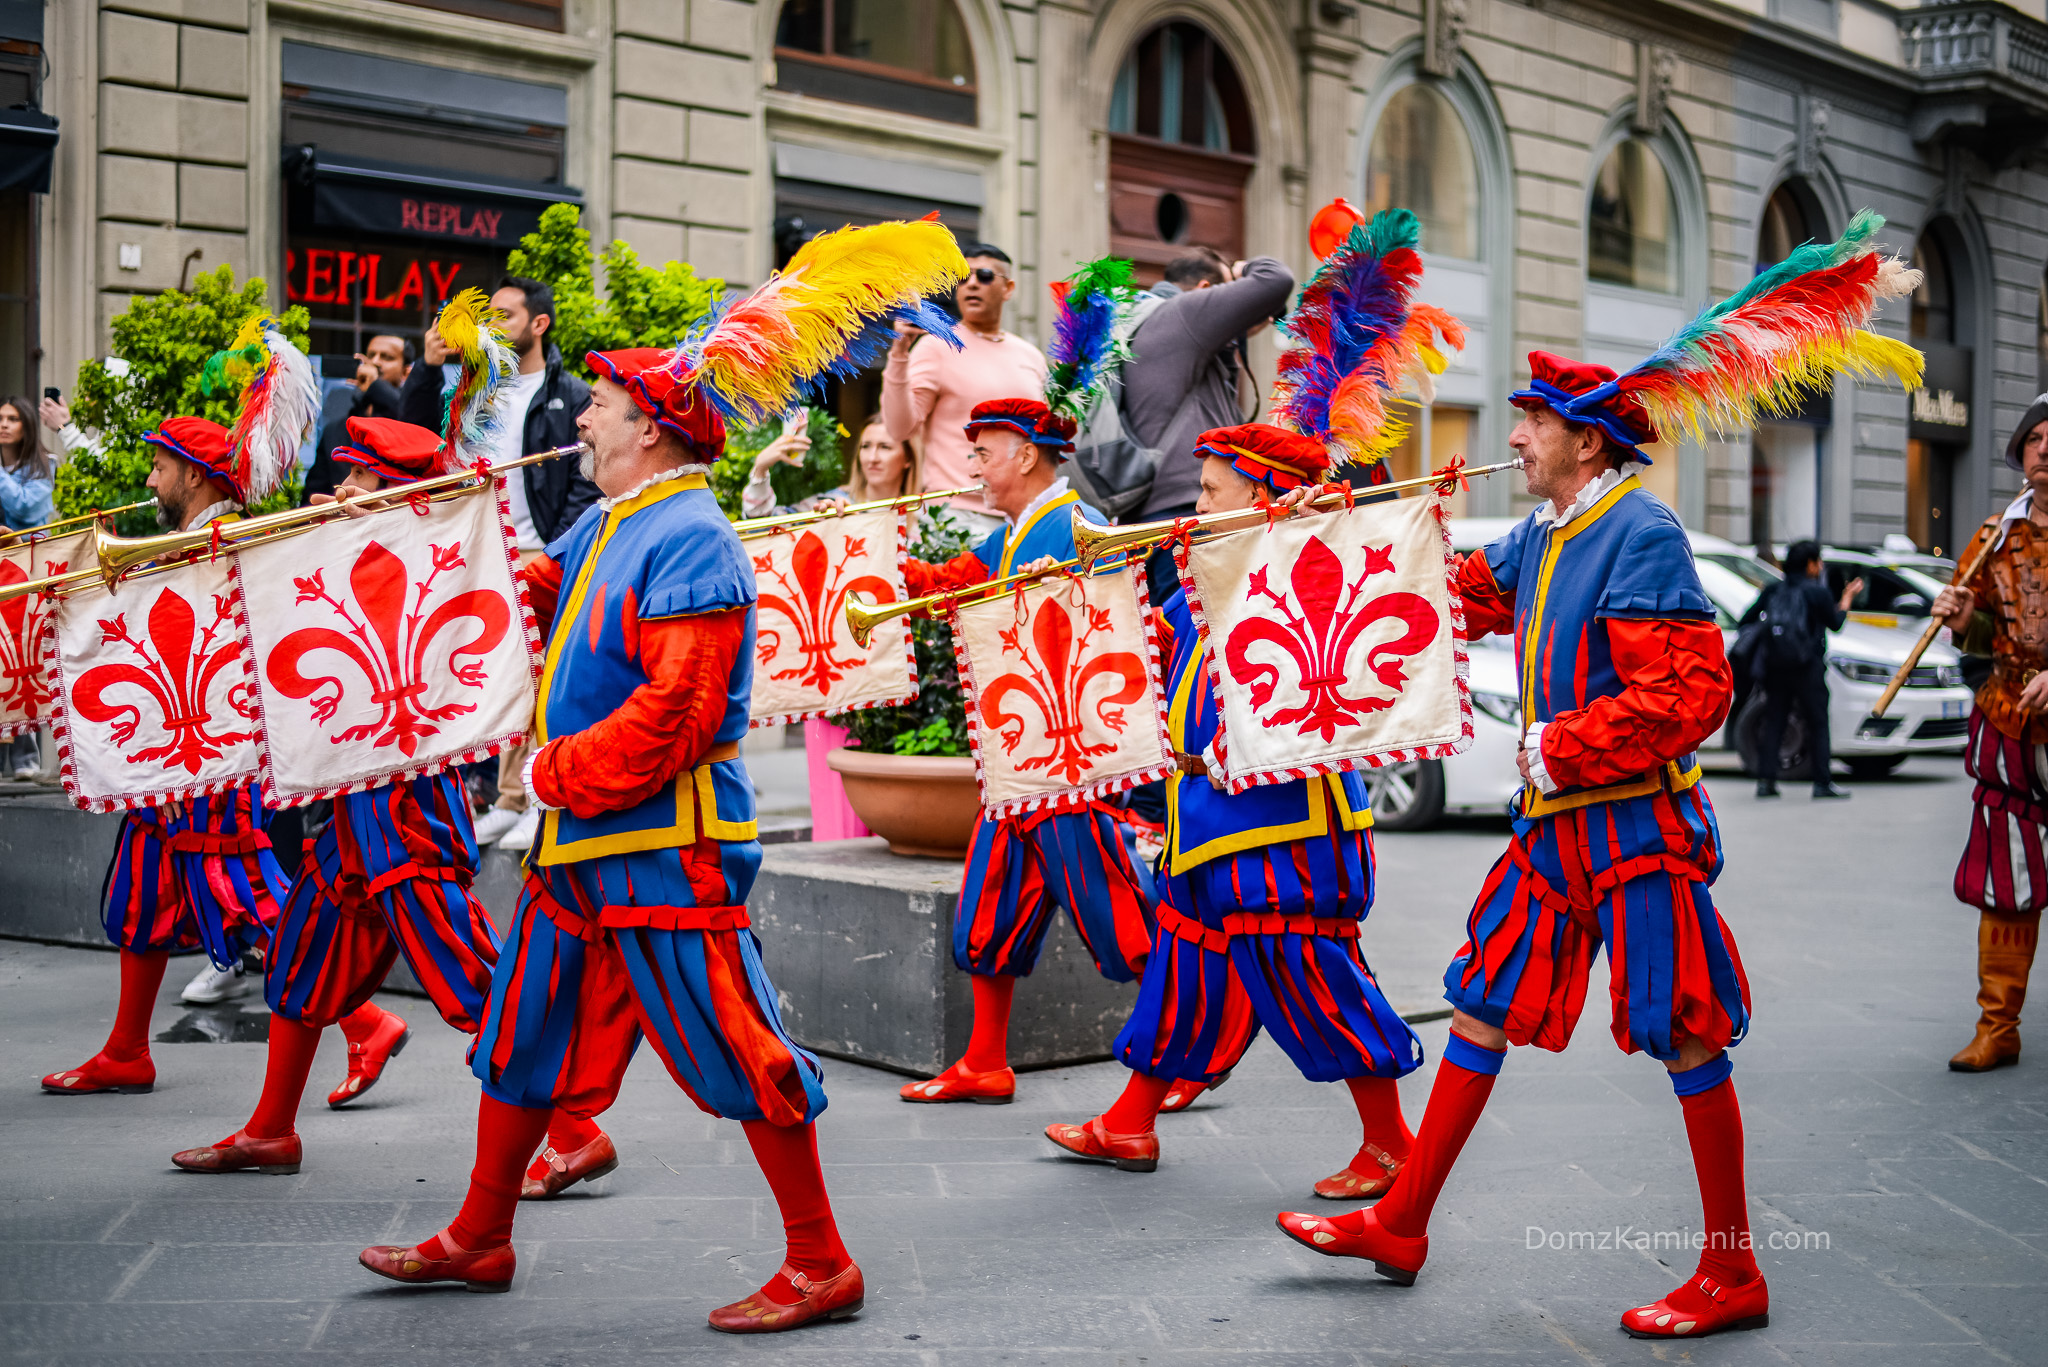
1788,642
1112,471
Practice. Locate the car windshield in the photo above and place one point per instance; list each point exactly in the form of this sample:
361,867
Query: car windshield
1733,582
1898,589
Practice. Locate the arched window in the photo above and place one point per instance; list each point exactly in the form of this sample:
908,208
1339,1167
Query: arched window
1421,159
1178,86
911,56
1632,222
1788,453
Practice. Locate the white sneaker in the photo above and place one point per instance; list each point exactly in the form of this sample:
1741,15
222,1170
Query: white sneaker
522,835
492,825
28,770
213,985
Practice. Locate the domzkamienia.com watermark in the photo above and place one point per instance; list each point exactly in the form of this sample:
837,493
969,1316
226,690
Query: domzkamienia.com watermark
1627,1238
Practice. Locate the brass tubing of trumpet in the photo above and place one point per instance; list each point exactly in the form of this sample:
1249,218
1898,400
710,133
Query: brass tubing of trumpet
865,617
8,539
751,527
1093,541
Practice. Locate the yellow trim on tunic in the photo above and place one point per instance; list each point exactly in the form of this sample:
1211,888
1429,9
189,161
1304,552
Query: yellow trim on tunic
549,849
1017,534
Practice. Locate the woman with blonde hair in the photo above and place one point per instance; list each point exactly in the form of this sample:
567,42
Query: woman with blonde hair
881,468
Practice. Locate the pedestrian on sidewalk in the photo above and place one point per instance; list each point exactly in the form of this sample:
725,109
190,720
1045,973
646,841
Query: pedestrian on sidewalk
1796,614
28,479
2002,611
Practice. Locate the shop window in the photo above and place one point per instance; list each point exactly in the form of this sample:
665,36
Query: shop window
911,56
545,14
1421,159
1632,222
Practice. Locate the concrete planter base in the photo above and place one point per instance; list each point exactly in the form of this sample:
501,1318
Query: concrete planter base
859,943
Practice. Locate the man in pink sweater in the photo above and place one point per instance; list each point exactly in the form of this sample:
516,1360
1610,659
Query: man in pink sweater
928,389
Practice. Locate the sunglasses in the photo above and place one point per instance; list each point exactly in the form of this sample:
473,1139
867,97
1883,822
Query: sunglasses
985,275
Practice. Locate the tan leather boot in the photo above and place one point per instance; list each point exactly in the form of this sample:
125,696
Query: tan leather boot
2005,955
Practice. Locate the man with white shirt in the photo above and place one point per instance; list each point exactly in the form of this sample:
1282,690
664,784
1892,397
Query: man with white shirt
1615,844
540,405
1021,869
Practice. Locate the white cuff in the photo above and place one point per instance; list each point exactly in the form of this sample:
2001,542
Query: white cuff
534,799
1214,759
1532,741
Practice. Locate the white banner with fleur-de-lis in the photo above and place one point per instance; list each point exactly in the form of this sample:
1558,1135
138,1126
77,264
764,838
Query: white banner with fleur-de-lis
1064,700
26,690
153,701
1335,641
806,662
388,646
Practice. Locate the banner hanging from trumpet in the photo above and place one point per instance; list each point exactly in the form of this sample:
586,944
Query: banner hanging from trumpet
807,663
1064,700
26,693
1335,641
154,702
387,647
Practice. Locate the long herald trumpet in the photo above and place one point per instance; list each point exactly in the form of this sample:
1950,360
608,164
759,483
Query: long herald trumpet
1092,542
865,617
764,526
8,539
124,557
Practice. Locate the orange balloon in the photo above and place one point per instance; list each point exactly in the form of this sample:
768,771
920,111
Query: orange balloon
1331,225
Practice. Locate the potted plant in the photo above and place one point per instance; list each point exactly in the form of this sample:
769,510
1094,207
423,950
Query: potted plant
910,772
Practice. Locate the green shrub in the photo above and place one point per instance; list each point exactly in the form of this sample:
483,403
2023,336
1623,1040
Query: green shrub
823,470
641,305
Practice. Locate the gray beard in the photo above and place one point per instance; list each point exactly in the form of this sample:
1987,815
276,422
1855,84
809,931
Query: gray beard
586,464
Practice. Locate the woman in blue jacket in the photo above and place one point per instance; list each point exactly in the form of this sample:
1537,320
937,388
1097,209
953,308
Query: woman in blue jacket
27,479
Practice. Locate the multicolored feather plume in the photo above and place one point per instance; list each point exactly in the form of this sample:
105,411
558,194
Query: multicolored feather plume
279,403
474,331
1793,328
831,309
1362,339
1087,342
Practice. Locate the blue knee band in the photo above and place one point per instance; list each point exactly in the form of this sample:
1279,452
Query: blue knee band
1473,1058
1708,1075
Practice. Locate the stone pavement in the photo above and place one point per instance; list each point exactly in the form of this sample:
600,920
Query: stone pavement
1920,1197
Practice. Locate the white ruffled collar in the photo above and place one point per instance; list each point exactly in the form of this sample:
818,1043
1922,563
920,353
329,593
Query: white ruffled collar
225,508
679,472
1051,492
1588,496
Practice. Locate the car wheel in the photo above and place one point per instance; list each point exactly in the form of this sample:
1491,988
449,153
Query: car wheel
1871,767
1406,797
1793,761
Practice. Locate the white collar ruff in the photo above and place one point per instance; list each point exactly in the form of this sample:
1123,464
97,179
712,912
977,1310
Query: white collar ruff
680,472
1051,492
1548,515
220,509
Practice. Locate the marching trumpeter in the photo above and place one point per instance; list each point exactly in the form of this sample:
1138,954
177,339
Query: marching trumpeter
1263,893
1070,854
633,919
1623,676
2002,611
199,875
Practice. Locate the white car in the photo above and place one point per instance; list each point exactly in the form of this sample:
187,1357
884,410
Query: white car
1930,714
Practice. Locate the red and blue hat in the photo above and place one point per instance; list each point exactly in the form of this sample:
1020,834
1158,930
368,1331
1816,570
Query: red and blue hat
203,442
1583,392
398,452
1030,419
649,375
1264,454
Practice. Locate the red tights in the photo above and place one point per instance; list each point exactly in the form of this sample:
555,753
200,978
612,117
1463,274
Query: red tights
141,977
988,1048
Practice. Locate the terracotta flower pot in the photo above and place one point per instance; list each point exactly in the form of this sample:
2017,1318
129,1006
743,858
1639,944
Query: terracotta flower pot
920,804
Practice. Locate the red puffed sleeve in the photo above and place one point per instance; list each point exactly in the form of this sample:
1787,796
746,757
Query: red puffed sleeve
663,728
1487,608
961,572
1677,686
544,587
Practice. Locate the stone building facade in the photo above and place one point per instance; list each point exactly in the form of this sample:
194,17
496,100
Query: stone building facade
1588,173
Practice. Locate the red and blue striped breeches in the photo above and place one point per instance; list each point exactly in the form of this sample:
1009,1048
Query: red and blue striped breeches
1021,868
390,875
204,879
1631,875
1268,937
2004,868
603,951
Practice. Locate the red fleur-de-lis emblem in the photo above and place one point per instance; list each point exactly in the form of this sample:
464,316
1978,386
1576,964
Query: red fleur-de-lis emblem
813,599
176,673
1317,633
1056,679
390,645
24,684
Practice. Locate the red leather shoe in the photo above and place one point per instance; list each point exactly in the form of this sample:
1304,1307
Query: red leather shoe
998,1088
1130,1152
835,1298
487,1269
1362,1186
1701,1306
1183,1093
239,1153
553,1173
1394,1257
102,1074
366,1060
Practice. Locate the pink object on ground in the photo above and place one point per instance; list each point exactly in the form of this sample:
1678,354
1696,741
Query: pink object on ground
832,815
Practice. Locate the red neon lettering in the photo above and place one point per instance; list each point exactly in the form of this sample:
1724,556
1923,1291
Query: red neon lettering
485,224
369,278
409,214
318,292
347,278
412,287
291,289
444,286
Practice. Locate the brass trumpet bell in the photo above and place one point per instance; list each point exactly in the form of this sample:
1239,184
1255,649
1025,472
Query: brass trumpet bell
865,617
